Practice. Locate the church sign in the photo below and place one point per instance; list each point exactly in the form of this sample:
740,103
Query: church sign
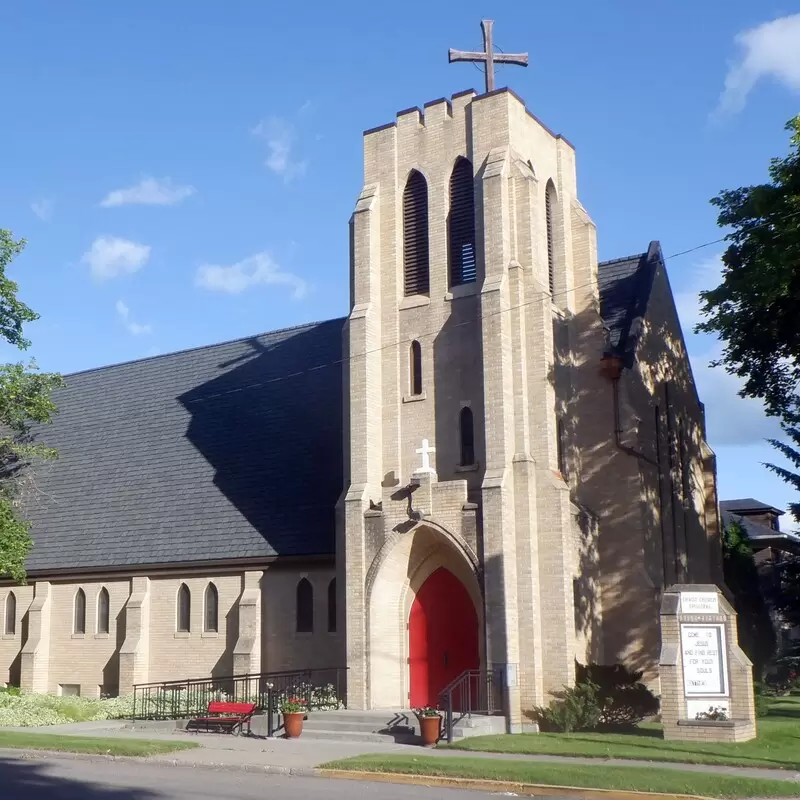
704,668
699,603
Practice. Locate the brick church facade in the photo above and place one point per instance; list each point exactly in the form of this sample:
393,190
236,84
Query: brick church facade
498,458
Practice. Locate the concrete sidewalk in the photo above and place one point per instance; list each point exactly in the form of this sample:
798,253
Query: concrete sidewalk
302,756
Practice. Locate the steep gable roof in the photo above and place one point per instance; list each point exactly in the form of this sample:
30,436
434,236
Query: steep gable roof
625,285
227,451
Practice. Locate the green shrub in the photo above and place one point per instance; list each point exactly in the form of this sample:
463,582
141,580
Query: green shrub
762,705
573,709
622,697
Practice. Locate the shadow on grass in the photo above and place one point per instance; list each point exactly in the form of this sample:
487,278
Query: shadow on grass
34,779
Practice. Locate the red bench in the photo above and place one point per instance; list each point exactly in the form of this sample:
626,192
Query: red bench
227,717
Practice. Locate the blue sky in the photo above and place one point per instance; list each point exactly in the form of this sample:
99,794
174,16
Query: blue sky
163,159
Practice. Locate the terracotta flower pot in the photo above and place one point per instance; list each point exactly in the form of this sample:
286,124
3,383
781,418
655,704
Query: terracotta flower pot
293,724
430,728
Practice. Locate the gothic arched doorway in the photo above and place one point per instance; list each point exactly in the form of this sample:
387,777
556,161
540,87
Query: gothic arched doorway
442,637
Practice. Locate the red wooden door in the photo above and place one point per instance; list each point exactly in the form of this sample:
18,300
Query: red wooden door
443,636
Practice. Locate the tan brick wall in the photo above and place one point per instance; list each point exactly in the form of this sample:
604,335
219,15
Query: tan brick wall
11,643
283,647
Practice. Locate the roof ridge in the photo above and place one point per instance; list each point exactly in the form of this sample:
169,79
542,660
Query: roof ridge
203,346
624,258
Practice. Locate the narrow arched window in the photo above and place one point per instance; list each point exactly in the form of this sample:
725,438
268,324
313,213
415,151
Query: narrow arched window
11,614
184,609
467,433
305,606
332,606
415,367
550,201
211,604
461,225
416,272
103,611
79,622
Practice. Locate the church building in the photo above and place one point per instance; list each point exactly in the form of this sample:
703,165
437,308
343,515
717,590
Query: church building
494,464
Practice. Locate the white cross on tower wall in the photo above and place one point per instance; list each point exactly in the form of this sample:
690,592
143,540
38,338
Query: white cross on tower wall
425,451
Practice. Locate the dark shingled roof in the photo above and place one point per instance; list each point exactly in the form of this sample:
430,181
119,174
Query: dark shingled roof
625,286
747,504
227,451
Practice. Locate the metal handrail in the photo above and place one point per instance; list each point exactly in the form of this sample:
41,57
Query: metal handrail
473,692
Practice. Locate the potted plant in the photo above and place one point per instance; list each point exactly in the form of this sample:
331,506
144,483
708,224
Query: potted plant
294,712
430,724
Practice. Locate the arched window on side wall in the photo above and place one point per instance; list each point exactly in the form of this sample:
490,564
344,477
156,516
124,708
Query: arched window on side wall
415,367
416,268
332,606
550,201
467,434
184,609
211,604
305,606
103,611
79,621
11,614
461,225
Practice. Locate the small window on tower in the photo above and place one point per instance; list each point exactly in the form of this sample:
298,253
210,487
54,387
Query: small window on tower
550,201
79,620
305,606
416,368
103,611
184,609
467,431
11,614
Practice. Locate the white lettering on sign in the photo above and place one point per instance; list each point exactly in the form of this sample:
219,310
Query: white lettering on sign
704,660
699,603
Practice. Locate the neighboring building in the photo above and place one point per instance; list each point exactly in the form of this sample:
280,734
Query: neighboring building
507,470
771,548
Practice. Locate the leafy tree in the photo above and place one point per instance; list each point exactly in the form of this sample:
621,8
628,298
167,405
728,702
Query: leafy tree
756,632
792,454
754,309
25,399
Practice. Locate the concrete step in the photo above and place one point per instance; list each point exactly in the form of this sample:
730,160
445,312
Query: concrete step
315,723
358,736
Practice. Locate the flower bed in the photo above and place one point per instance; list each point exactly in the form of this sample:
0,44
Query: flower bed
29,710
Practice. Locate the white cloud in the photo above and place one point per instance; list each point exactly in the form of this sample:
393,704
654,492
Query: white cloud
256,270
771,49
280,137
149,192
706,274
132,327
110,257
43,208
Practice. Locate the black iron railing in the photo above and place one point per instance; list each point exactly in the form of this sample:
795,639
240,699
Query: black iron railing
319,689
476,691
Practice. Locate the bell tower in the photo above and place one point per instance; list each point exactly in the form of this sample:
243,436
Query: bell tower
466,241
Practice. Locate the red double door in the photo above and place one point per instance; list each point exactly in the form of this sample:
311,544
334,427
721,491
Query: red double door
443,637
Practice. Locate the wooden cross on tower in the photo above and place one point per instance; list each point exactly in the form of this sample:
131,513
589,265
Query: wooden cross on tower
488,55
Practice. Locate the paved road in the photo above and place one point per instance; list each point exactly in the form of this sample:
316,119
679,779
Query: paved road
52,778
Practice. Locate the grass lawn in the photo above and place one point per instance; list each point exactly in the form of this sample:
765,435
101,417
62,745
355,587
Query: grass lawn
87,744
777,745
643,779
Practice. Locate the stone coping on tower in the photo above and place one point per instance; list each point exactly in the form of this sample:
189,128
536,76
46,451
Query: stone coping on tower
443,107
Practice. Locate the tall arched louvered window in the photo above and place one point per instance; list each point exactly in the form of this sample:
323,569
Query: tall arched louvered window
550,201
79,621
415,368
461,225
103,611
467,434
184,609
416,269
332,606
305,606
11,614
211,604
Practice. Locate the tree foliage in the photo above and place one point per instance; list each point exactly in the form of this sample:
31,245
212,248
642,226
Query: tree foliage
792,454
25,400
754,310
756,632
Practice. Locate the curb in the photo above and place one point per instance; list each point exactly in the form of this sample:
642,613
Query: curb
501,787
